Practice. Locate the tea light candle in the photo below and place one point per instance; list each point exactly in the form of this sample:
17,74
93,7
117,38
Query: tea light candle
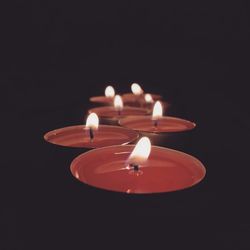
107,99
92,135
138,96
148,98
138,168
118,110
157,123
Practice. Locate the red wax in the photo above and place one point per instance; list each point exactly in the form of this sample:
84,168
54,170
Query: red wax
102,99
164,124
130,97
78,136
165,170
111,112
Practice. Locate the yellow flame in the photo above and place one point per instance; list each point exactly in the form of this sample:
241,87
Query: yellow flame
148,98
157,111
118,103
92,121
141,151
136,89
109,91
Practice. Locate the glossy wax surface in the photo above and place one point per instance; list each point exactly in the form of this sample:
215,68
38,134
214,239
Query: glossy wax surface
165,124
78,136
111,112
165,170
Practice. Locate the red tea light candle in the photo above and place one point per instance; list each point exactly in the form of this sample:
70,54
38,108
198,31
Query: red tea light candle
148,98
137,96
118,110
136,89
138,169
92,135
157,123
148,102
107,99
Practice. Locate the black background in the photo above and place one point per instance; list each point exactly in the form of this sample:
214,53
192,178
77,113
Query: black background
56,54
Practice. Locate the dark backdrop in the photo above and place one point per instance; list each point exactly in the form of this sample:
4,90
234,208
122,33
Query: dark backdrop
56,54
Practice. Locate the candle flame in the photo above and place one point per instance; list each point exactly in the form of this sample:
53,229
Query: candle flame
109,91
92,121
118,103
141,151
157,111
136,89
148,98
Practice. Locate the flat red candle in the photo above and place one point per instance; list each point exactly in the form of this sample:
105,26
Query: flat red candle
130,97
102,99
107,99
165,170
78,136
148,105
112,112
164,124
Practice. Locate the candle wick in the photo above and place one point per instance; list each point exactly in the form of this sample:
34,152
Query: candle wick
91,134
156,123
135,167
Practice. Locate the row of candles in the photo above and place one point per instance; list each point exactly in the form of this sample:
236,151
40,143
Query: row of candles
140,168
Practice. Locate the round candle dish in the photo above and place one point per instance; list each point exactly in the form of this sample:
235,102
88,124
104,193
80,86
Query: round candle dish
114,114
165,170
164,124
78,136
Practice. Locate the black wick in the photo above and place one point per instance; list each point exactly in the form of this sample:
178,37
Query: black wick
156,123
134,166
91,134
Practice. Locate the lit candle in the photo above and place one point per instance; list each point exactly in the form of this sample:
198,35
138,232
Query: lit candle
109,92
92,124
118,110
160,123
148,98
118,104
136,89
137,97
139,168
107,98
157,113
139,155
96,136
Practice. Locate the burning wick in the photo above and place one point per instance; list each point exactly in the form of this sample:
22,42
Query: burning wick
92,124
139,155
157,113
109,92
118,104
136,89
91,134
134,167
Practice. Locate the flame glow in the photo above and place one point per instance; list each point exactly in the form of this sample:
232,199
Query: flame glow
157,111
118,103
92,121
136,89
148,98
141,151
109,92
